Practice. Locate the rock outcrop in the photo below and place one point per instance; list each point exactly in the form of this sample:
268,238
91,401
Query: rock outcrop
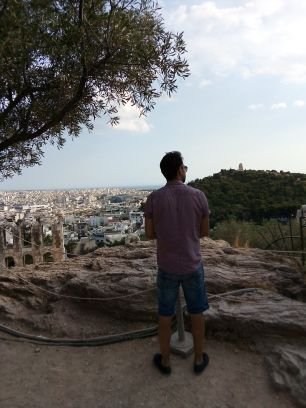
255,296
287,369
257,314
120,282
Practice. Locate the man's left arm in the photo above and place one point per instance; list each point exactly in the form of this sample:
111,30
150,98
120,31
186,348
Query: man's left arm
204,227
204,224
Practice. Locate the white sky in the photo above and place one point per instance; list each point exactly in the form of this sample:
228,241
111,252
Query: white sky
243,103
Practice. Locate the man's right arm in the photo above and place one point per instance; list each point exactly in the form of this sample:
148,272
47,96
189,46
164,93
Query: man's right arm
149,225
149,228
204,227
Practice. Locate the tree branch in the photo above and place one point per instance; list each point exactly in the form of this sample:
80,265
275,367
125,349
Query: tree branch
81,12
24,93
24,136
3,8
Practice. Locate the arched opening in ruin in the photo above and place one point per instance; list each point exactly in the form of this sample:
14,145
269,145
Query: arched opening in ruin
8,237
9,262
48,257
47,235
27,236
28,259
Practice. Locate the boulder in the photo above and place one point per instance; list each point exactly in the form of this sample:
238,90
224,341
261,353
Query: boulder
230,268
253,315
287,369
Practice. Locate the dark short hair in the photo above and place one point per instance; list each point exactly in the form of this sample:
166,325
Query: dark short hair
170,164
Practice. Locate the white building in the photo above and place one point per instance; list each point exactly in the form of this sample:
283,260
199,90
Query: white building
97,221
136,217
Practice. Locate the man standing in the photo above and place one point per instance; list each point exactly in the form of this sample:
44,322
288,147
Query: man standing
178,216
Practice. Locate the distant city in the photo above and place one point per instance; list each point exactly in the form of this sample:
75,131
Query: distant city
37,225
127,187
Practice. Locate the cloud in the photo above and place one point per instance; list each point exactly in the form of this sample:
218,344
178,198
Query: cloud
299,104
167,99
254,106
205,82
280,105
131,121
259,37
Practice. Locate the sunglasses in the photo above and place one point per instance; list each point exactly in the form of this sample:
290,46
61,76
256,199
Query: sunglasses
185,168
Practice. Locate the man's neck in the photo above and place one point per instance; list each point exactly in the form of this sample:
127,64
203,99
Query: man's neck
175,181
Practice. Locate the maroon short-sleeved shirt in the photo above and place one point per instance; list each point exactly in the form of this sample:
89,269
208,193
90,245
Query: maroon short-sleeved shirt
177,211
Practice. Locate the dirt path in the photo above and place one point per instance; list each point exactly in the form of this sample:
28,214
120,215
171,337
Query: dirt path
121,375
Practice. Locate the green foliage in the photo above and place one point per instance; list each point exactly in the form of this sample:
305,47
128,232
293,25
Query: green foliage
47,240
270,234
66,62
252,195
70,247
143,237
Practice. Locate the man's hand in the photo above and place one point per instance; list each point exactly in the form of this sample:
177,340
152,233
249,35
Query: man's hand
149,228
204,227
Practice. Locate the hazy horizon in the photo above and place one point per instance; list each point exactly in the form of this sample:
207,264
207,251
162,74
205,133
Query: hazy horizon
136,187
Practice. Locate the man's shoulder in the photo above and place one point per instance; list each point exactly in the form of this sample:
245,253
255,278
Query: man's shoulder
158,192
185,187
193,190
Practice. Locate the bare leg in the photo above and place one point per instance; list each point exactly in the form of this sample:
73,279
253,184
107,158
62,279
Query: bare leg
164,336
198,332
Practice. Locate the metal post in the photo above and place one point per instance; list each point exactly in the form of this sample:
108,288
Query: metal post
291,238
180,319
302,240
181,341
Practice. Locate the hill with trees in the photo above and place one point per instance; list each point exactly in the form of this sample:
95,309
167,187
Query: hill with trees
252,195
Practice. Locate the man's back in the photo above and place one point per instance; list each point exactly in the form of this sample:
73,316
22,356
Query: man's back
177,211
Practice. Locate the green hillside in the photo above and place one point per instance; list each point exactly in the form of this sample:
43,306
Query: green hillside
252,195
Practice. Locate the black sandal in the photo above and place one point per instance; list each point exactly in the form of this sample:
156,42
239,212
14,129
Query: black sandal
199,368
157,361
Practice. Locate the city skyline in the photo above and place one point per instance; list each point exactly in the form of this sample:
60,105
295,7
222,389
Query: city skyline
245,102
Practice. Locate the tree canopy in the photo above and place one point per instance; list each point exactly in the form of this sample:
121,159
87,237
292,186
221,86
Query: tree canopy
64,63
253,195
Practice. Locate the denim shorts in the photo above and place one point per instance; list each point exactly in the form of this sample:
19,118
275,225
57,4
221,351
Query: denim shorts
194,289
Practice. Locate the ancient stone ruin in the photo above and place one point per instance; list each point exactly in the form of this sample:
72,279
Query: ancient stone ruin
26,243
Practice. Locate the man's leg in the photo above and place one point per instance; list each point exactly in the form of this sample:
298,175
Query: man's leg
198,333
196,299
164,336
167,289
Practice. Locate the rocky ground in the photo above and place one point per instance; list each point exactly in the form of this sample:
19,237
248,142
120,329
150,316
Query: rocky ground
122,376
257,302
